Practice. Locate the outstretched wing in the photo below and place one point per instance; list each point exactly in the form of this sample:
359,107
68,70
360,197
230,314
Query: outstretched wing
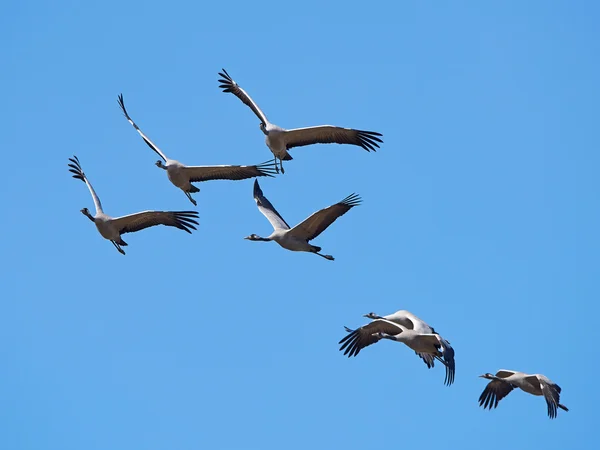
268,210
184,220
551,394
495,391
144,137
448,355
366,335
328,134
319,221
228,85
206,173
75,168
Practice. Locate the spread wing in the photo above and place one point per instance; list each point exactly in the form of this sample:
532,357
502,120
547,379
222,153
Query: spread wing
448,355
228,85
144,137
184,220
495,391
366,335
75,168
268,210
319,221
328,134
551,393
206,173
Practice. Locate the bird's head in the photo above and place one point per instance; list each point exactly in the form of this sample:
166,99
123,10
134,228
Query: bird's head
263,128
253,237
160,164
371,315
86,212
488,376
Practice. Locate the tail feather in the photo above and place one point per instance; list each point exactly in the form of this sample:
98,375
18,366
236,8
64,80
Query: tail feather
193,189
287,157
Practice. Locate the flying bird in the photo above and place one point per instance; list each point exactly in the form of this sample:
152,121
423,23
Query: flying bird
112,228
297,238
183,176
505,381
405,327
279,140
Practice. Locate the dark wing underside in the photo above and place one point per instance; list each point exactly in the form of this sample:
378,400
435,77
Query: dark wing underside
318,222
366,335
206,173
495,391
184,220
328,134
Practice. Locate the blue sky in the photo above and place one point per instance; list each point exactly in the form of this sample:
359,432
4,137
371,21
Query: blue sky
480,215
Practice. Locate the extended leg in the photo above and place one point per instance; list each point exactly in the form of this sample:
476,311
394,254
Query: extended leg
118,247
281,165
191,199
329,257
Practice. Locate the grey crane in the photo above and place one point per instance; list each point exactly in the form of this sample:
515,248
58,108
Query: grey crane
279,140
297,238
183,176
405,327
505,381
112,228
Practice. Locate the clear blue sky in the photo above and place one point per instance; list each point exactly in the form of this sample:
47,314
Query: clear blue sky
480,215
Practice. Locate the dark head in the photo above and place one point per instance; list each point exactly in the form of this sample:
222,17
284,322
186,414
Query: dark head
86,212
263,128
372,315
488,376
160,164
255,237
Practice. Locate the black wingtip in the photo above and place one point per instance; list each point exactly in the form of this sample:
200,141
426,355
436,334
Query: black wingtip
121,103
257,190
352,200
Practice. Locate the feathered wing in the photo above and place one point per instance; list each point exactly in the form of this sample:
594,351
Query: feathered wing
495,391
75,168
184,220
144,137
206,173
503,373
366,335
551,394
319,221
448,355
268,210
329,134
228,85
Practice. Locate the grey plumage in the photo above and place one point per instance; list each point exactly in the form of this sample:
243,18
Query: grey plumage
505,381
280,140
112,228
297,238
405,327
182,176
